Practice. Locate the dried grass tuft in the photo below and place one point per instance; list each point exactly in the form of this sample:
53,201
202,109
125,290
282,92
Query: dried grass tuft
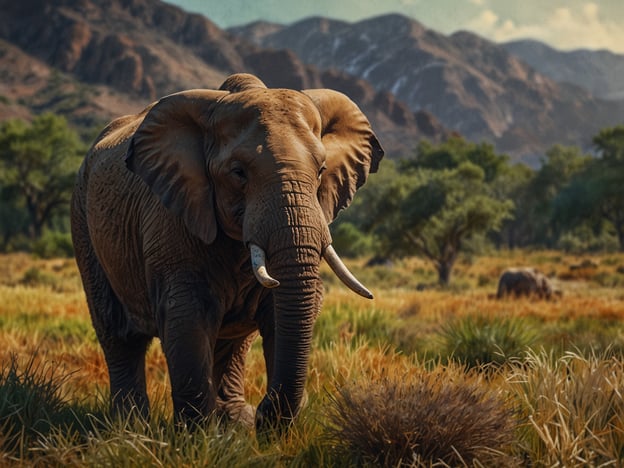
435,417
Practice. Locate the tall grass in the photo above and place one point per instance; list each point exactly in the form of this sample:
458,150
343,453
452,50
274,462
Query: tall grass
573,409
30,403
380,373
481,341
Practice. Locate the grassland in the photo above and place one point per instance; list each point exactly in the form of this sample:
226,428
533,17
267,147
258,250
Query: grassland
421,376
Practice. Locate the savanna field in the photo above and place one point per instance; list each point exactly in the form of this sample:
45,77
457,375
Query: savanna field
420,376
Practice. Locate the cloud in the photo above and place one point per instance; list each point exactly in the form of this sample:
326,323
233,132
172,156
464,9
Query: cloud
564,24
561,27
487,20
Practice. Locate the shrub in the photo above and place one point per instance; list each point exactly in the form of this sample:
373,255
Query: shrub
37,277
30,403
53,244
34,276
583,240
350,241
478,340
440,416
347,324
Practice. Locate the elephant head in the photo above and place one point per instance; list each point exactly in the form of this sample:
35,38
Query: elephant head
269,168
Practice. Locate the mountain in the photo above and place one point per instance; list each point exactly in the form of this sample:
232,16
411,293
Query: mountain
92,60
601,72
470,84
97,59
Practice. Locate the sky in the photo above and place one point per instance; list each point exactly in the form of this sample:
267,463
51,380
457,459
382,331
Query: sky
563,24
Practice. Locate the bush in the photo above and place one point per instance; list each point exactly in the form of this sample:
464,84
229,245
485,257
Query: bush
478,341
350,325
442,416
35,277
53,244
583,240
30,404
349,241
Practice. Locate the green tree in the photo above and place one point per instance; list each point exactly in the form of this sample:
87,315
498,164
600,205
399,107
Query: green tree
513,183
593,200
456,151
442,210
608,183
559,167
432,204
13,218
38,163
381,194
595,196
610,143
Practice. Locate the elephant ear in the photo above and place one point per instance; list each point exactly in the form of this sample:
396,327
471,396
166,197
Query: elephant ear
351,146
169,150
242,82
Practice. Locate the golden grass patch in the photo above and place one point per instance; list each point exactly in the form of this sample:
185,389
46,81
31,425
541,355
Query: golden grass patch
43,316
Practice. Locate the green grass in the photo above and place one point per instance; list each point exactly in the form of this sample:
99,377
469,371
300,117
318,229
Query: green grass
30,403
399,380
481,341
349,324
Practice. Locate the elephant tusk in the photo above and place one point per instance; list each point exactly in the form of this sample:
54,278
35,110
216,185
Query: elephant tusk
341,271
258,264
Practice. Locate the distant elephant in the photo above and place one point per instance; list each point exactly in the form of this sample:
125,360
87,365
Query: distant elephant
201,221
524,282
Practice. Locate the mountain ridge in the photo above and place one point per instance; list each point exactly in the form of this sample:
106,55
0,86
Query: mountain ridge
138,50
94,59
601,72
469,83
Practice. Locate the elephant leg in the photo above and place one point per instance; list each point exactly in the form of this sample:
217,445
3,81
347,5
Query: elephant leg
188,339
124,352
266,325
125,359
230,374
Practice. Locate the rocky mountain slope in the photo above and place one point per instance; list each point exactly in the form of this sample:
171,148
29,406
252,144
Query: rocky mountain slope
470,84
601,72
95,59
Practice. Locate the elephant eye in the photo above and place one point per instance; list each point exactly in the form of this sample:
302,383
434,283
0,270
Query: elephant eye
239,173
321,170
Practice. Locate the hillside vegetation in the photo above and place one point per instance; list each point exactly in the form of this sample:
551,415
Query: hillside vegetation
422,376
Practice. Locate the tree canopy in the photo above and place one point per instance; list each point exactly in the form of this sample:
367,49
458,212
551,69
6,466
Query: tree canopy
38,164
434,202
446,195
595,195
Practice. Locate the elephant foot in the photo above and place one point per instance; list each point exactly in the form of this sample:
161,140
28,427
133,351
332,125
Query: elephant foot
238,412
271,422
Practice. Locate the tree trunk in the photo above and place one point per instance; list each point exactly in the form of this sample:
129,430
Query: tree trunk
444,272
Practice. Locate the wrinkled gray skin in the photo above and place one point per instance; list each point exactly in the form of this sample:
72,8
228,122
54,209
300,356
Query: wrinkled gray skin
165,207
524,282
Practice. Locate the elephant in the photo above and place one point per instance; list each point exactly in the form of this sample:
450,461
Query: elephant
524,282
202,221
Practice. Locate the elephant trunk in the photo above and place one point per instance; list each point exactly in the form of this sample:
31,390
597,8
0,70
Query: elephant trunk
293,260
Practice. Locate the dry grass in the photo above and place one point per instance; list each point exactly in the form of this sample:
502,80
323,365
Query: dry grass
441,416
567,399
573,408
